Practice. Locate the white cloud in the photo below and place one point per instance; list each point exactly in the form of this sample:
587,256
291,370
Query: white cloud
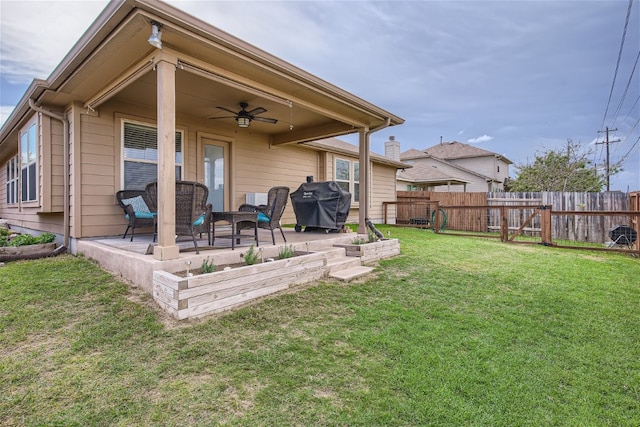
480,139
5,112
34,50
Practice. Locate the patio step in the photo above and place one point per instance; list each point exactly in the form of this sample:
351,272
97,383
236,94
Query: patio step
345,268
342,262
351,273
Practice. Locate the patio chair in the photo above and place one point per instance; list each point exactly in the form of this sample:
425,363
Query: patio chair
193,213
139,210
268,215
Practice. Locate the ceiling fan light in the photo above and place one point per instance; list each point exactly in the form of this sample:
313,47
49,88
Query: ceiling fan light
243,122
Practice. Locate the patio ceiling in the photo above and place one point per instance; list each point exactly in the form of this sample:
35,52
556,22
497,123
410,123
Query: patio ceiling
113,61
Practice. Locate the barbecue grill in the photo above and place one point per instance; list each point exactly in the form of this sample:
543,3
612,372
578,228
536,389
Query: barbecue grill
623,235
320,205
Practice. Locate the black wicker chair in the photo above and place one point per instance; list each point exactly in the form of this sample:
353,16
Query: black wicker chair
139,210
193,213
268,215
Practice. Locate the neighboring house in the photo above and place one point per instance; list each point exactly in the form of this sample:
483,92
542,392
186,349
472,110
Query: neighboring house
452,166
123,109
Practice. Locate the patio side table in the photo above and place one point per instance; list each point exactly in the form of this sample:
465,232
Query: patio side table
234,218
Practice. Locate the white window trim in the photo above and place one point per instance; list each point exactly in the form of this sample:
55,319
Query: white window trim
124,159
13,181
352,182
25,130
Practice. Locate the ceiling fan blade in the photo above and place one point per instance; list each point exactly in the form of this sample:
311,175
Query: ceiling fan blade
228,110
221,117
257,110
265,119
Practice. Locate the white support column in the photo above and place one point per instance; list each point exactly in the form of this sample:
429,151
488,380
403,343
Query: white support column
166,111
363,210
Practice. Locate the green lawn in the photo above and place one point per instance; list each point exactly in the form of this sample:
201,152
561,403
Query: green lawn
455,331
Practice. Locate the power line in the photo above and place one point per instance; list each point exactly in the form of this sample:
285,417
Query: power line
626,89
633,146
615,74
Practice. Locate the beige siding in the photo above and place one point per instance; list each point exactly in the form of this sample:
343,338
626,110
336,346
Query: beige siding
504,172
476,183
257,167
482,165
43,215
486,166
98,182
53,167
382,190
95,170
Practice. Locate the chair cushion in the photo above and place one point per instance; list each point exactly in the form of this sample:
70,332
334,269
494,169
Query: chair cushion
143,215
138,204
198,221
263,218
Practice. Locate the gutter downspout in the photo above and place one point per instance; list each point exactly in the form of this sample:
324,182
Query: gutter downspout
363,212
65,125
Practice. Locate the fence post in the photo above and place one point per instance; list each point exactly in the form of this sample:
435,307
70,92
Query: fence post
504,224
545,225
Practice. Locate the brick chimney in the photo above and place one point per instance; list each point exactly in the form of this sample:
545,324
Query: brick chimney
392,149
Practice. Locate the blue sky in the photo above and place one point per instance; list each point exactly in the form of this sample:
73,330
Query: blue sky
513,77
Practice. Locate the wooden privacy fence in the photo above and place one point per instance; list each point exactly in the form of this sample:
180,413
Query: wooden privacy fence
585,220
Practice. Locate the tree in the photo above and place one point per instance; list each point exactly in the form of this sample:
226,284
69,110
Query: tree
567,170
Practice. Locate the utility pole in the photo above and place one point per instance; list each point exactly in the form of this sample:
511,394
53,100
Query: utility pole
607,142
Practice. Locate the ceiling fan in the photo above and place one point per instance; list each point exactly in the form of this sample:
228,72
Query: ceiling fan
244,117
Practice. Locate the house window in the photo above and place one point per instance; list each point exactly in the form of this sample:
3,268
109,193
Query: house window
140,155
347,175
498,168
29,162
12,181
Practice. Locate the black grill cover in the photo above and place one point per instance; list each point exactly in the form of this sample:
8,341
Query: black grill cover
321,205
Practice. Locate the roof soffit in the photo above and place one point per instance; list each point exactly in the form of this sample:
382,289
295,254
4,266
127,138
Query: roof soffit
98,60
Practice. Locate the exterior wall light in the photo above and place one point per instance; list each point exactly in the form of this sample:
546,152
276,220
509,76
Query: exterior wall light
156,35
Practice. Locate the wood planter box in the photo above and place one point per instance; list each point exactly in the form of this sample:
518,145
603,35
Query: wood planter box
203,294
12,253
371,252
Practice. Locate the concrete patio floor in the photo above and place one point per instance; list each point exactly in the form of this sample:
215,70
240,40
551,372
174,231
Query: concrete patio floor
130,261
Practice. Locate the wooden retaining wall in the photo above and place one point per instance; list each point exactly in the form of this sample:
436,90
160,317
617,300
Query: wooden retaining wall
373,252
220,291
196,296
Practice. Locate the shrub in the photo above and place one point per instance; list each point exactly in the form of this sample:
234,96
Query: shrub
251,257
25,239
47,238
358,240
208,266
286,252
